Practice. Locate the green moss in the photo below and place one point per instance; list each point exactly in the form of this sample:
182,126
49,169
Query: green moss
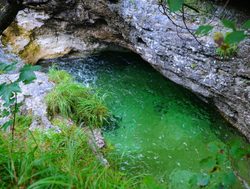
12,32
30,52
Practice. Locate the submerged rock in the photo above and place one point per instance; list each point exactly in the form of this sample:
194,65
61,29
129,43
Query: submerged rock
138,25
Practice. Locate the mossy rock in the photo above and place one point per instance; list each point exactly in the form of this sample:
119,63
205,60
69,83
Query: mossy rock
22,44
16,36
12,31
31,52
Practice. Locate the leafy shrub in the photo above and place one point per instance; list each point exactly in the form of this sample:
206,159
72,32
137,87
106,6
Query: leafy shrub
23,123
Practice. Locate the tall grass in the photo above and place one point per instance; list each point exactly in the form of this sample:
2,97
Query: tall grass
92,111
55,160
63,98
73,100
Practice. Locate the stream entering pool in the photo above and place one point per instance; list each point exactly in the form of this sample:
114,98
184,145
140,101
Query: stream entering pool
161,128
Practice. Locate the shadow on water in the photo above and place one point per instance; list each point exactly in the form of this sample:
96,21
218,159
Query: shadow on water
159,128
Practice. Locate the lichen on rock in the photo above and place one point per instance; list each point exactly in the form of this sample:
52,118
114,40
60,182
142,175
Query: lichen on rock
31,53
16,36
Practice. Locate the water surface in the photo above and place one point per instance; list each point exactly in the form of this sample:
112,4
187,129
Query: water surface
161,128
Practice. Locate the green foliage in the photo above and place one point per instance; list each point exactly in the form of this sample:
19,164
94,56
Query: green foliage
92,111
227,44
62,99
229,24
226,47
10,89
246,25
235,37
59,76
73,100
226,51
204,30
27,74
175,5
56,160
51,159
219,169
7,124
6,67
23,123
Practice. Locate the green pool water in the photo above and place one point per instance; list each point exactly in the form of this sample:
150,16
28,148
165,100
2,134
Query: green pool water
161,129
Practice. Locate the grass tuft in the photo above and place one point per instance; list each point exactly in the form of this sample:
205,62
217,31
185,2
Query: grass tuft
70,99
62,99
59,76
92,111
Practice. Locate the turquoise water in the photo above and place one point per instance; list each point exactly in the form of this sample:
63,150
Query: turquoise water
161,129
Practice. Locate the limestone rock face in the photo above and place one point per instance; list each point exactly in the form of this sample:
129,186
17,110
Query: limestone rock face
89,25
33,99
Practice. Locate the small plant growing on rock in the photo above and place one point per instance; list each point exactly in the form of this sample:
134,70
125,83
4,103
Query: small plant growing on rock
9,91
223,48
226,43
